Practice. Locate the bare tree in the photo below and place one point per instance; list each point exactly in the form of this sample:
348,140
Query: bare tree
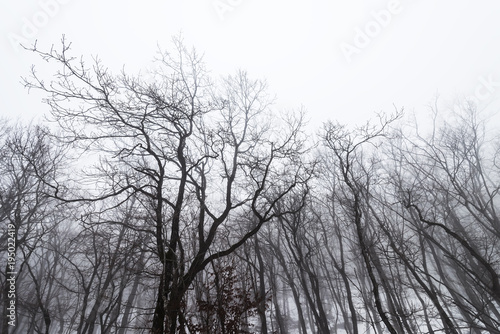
197,155
346,147
28,159
449,193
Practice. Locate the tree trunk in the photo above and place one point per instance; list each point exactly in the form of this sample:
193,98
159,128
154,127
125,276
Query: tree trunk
261,308
159,314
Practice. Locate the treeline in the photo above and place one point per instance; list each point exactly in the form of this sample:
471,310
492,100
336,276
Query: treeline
186,205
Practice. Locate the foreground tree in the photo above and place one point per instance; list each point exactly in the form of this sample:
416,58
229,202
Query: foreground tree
197,156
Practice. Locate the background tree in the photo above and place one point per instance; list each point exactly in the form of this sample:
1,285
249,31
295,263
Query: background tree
347,150
450,195
28,159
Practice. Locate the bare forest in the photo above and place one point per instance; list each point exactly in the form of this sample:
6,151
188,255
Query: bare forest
187,203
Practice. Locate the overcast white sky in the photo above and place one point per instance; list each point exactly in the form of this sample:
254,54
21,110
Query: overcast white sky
341,60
